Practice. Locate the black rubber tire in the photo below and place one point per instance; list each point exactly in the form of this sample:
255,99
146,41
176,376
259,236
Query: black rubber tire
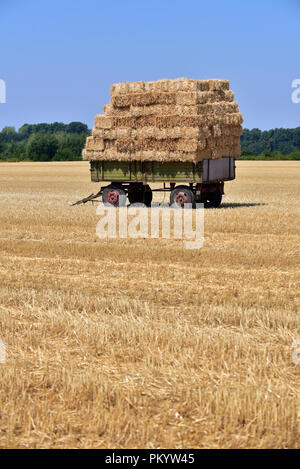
188,196
138,193
118,191
148,195
213,200
135,193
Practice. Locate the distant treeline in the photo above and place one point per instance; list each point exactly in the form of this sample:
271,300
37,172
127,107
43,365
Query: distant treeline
273,144
43,142
64,142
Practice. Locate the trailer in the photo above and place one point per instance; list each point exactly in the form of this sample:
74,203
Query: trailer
187,182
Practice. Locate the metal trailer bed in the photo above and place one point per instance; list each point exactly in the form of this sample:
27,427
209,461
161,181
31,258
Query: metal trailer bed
203,182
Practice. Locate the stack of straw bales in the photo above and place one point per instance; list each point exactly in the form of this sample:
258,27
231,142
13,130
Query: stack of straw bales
167,120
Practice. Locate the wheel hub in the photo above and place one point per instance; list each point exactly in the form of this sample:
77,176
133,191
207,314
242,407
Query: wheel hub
181,198
113,197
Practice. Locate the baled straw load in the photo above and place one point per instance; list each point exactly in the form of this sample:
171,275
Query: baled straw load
167,120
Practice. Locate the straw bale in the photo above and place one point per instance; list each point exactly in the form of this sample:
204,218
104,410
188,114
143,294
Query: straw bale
204,131
217,130
127,87
220,142
184,84
143,99
121,100
106,108
150,155
228,95
130,87
104,133
137,111
93,143
136,87
119,111
217,152
217,108
122,122
179,121
187,144
172,132
157,86
163,109
85,155
143,121
167,120
169,144
103,122
178,84
234,119
215,85
153,144
187,98
144,132
146,99
123,132
203,154
109,144
125,145
229,130
235,130
112,133
202,97
108,155
119,88
202,85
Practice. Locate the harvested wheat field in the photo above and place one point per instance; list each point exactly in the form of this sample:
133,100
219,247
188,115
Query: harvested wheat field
141,343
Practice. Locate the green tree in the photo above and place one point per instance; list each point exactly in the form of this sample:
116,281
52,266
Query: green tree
77,128
73,142
9,134
14,151
64,154
25,131
42,147
295,155
2,146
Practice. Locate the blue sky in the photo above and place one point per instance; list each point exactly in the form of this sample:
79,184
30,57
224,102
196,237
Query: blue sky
59,58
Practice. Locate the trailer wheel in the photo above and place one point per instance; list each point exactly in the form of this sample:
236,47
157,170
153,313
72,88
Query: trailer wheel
181,195
138,193
114,196
148,195
213,200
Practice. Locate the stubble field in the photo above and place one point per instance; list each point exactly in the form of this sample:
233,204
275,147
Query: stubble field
142,343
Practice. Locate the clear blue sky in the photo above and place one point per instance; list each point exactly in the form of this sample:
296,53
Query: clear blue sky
59,57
